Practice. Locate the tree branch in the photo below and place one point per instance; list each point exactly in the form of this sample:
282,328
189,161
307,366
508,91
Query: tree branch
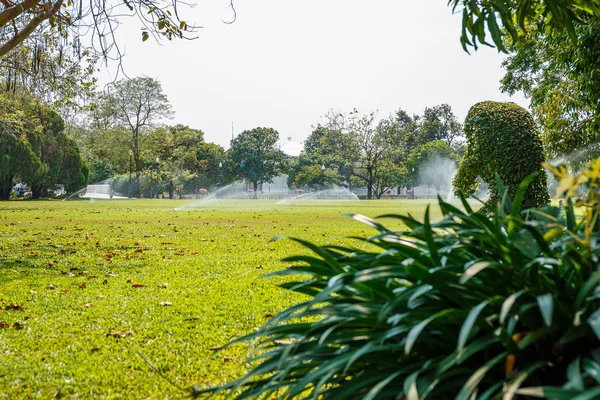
29,28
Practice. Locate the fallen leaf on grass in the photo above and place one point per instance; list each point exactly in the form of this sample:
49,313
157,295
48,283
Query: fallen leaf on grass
215,348
18,325
16,307
137,285
128,280
268,316
226,359
105,282
82,286
4,325
163,286
89,305
65,291
50,286
165,303
120,334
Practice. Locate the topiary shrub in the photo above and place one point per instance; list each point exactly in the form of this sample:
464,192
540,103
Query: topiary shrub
502,139
469,307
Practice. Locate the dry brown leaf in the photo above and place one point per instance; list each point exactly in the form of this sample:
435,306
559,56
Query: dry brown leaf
120,334
4,325
18,325
137,285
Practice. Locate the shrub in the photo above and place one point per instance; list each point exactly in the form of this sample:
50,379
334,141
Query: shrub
502,139
467,307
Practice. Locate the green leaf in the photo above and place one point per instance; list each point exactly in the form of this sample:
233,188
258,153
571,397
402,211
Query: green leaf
416,330
546,305
144,36
508,303
474,270
574,375
467,326
594,321
472,383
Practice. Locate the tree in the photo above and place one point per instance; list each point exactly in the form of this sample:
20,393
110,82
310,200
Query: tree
63,166
502,140
376,147
17,160
253,156
187,162
561,79
503,18
440,123
136,105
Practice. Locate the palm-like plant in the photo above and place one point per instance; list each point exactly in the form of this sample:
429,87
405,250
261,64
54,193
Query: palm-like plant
468,307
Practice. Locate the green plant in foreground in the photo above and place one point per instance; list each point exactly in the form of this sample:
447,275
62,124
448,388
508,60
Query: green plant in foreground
469,307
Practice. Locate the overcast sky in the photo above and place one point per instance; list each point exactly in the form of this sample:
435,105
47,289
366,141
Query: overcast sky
285,63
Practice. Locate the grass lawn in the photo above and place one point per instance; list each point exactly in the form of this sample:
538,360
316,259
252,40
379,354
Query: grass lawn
84,286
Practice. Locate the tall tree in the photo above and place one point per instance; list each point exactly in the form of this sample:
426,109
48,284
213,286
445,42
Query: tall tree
63,165
561,79
137,105
440,123
18,162
255,158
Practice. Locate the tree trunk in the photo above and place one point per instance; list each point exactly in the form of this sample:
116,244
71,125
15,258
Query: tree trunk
138,187
255,193
170,190
369,184
6,184
37,191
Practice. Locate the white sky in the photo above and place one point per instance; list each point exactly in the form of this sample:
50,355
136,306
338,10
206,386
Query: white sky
285,63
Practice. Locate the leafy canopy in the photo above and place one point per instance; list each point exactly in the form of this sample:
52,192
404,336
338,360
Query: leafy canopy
254,157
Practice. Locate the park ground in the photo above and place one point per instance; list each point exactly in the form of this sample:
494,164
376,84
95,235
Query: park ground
85,286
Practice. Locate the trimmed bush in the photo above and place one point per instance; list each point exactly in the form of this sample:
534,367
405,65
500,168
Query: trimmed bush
469,307
502,139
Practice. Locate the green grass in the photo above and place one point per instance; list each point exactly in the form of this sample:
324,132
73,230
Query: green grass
72,267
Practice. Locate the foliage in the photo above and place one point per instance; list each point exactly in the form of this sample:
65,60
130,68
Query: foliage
253,156
17,159
43,67
502,140
101,170
561,79
63,165
440,123
502,19
35,150
468,307
136,106
314,176
187,162
427,153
